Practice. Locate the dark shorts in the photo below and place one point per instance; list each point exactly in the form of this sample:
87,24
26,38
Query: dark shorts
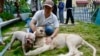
30,30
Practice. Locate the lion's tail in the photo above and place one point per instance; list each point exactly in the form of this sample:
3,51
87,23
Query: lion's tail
91,46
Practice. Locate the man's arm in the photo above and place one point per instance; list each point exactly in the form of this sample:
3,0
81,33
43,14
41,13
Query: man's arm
49,39
55,32
34,20
56,24
32,25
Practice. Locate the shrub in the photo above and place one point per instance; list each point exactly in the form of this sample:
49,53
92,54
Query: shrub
6,16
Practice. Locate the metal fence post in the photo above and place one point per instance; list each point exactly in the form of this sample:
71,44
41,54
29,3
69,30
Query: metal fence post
1,40
5,49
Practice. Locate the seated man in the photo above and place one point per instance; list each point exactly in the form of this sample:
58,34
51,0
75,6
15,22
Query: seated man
47,19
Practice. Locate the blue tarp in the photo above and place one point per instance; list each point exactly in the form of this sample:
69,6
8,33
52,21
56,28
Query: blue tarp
97,21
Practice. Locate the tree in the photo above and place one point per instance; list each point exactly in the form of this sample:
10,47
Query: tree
17,8
1,5
55,1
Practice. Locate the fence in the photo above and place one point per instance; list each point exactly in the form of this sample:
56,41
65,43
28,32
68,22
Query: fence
84,14
2,24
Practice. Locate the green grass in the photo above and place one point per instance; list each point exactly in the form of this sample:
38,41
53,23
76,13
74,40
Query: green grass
16,50
89,32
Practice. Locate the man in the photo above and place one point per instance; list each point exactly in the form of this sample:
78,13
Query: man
46,17
69,11
61,11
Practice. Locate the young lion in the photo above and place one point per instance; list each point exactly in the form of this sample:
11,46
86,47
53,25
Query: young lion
73,42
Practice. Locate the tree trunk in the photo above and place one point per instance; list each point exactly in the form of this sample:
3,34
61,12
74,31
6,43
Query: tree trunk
1,5
17,8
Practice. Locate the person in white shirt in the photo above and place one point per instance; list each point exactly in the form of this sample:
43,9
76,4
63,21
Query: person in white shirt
46,17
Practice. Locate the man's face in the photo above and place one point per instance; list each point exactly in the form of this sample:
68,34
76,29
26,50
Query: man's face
47,9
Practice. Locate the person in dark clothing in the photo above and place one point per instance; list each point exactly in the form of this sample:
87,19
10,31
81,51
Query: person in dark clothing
69,11
54,9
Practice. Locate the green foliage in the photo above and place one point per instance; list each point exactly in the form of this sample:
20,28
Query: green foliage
55,1
24,7
22,2
6,16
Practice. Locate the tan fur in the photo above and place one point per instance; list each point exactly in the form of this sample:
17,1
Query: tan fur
22,36
72,41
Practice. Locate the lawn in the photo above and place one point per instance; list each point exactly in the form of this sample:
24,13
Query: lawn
89,32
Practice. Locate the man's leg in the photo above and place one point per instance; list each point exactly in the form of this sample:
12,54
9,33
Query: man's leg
30,30
67,18
28,22
59,15
49,30
71,16
62,17
28,25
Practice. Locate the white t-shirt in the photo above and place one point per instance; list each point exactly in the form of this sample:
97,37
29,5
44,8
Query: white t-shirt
41,20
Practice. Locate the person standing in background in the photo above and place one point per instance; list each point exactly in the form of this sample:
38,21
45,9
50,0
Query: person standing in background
61,10
69,12
54,8
33,6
